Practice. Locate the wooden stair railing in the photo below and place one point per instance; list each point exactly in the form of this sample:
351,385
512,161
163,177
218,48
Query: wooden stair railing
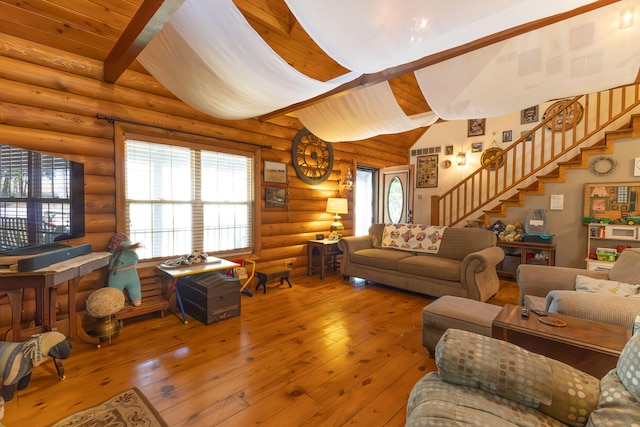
536,151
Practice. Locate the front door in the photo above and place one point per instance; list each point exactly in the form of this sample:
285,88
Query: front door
396,194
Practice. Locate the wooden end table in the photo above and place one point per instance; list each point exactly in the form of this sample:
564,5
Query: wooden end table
592,347
324,248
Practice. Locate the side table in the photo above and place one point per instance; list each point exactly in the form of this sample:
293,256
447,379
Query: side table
592,347
324,248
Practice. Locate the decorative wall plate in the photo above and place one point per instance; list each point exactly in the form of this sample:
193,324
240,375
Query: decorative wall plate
446,164
489,158
569,115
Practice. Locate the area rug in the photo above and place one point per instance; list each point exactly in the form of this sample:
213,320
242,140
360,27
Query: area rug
128,409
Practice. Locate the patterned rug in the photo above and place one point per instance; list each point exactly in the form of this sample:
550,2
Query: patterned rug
127,409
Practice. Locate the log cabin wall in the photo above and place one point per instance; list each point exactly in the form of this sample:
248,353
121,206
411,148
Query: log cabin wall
49,102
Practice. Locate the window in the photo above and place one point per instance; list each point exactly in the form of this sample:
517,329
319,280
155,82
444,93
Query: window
179,199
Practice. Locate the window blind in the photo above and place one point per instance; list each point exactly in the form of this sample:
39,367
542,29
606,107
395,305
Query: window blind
180,199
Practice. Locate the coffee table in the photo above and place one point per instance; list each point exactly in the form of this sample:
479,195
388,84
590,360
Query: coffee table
593,347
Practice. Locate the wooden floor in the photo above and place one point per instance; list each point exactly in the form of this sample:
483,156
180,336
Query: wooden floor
328,353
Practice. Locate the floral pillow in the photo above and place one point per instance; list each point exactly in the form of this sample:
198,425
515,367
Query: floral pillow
606,287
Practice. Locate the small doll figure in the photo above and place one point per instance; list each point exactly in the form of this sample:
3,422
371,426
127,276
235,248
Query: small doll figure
122,267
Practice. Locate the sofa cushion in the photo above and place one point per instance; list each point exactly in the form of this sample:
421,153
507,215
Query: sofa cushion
628,366
381,258
627,268
375,232
507,370
436,402
457,243
616,406
431,266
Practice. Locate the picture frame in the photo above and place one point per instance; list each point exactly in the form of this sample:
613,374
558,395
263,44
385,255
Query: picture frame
275,172
476,147
427,171
448,150
507,136
529,115
275,197
476,127
529,137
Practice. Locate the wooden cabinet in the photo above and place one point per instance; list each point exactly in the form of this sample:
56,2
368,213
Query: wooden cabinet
606,241
516,253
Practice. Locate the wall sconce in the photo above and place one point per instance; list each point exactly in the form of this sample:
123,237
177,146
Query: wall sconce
337,206
349,181
461,159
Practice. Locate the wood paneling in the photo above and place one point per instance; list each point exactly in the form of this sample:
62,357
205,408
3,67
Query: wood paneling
50,101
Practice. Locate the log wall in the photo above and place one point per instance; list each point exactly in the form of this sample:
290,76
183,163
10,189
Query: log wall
50,100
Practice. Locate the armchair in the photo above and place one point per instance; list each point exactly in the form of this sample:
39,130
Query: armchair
483,381
552,289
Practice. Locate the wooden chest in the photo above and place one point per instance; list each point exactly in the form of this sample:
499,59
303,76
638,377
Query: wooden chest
210,297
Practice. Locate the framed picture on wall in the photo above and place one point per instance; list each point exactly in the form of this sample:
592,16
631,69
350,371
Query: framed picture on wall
448,150
427,171
507,136
475,127
476,147
275,197
275,172
529,115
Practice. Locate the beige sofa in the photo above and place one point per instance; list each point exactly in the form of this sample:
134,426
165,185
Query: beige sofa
553,289
482,381
464,266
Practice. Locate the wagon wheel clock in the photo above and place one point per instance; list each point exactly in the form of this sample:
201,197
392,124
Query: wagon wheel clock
312,158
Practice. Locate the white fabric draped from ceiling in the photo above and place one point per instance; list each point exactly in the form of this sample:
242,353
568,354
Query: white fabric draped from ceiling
360,114
585,54
209,56
372,35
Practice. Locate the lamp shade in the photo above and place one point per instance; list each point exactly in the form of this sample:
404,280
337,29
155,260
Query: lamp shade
337,206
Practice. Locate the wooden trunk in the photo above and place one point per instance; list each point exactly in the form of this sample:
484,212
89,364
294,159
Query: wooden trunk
210,297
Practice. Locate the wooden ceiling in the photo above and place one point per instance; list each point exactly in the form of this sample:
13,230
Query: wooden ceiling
115,31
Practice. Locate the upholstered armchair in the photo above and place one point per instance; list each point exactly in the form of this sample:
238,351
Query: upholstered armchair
482,381
552,289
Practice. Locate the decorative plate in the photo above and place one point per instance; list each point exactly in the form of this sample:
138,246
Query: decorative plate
446,164
489,158
568,115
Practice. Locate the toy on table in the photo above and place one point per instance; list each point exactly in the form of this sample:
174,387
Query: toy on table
122,267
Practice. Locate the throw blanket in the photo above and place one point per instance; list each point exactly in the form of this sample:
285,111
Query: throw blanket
413,237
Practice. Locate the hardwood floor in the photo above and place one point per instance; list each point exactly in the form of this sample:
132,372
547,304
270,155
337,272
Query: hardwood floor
327,353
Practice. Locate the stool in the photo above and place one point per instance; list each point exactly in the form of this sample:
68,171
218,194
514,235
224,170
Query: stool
264,275
458,313
102,304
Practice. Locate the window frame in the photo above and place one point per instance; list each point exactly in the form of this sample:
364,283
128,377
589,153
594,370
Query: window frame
125,131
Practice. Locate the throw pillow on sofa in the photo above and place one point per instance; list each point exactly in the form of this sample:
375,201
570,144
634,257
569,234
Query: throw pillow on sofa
605,287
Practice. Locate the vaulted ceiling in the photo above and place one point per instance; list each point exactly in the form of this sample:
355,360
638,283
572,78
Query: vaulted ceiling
115,31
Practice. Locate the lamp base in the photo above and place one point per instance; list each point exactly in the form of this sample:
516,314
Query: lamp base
336,226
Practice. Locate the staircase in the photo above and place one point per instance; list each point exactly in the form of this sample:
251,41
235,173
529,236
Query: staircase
542,155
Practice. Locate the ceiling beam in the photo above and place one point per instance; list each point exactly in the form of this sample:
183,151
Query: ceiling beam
144,25
389,73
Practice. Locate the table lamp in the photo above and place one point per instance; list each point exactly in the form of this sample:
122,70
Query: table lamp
337,206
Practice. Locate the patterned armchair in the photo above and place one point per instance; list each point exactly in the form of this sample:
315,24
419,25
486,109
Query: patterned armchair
482,381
